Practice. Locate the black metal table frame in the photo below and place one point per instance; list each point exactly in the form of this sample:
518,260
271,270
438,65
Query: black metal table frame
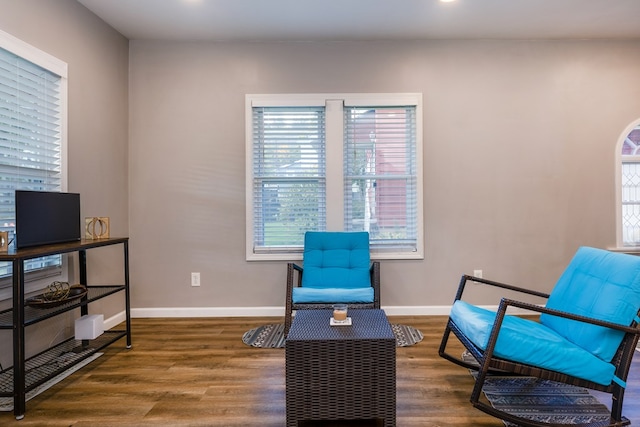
17,258
340,372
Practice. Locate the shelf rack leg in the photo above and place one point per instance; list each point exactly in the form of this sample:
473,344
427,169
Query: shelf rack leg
127,295
19,402
82,269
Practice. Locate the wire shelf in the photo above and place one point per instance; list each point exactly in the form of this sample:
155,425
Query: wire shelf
33,315
46,365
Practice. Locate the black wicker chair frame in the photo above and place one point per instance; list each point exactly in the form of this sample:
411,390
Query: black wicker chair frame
294,278
488,364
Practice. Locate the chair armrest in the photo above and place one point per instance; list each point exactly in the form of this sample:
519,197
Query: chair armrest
291,282
299,269
465,278
292,269
506,302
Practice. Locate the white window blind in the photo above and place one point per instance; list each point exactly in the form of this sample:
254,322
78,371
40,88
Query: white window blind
289,180
380,175
30,139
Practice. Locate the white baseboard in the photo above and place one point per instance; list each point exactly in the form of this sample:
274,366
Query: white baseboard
207,312
155,312
427,310
114,320
268,311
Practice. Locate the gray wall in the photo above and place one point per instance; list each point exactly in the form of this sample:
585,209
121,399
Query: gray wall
98,63
518,151
519,166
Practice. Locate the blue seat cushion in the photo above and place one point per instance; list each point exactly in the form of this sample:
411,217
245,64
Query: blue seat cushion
532,343
336,260
332,295
599,284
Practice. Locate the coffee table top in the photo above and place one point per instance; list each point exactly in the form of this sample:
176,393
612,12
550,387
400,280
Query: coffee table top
366,324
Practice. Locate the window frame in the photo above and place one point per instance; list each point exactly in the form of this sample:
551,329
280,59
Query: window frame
333,103
36,280
618,171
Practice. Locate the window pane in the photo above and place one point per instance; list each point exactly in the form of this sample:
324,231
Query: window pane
631,203
288,175
30,140
631,144
380,175
631,188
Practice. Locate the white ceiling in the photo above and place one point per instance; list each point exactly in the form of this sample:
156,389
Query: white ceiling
369,19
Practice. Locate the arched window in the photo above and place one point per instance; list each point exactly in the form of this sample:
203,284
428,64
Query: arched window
628,180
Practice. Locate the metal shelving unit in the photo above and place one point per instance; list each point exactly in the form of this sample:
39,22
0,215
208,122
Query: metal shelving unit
28,373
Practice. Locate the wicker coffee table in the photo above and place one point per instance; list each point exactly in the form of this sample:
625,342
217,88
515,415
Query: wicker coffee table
341,372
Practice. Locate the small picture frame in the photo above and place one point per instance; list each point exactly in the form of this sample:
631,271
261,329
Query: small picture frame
4,241
96,227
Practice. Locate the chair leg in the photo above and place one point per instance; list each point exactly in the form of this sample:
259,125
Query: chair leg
616,403
477,387
442,351
287,320
288,304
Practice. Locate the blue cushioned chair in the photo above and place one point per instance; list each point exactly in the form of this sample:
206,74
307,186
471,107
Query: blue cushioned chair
585,335
336,268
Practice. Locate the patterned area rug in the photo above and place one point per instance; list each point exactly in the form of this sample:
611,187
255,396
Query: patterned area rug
271,336
542,400
545,401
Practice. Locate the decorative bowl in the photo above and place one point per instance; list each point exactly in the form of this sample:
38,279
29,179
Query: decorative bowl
41,301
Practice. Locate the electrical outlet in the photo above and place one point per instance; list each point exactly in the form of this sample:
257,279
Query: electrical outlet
477,273
195,279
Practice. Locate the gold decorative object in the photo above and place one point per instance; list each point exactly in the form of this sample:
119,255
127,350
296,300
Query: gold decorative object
4,241
96,227
56,291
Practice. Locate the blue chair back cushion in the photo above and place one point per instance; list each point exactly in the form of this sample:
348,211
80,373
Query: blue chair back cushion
338,260
598,284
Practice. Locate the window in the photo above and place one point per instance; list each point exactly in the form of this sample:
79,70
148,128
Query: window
32,135
380,175
347,162
629,188
289,175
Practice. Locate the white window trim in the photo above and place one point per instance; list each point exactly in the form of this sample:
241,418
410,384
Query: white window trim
38,280
334,181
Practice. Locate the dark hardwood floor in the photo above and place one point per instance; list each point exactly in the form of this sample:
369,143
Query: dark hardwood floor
198,372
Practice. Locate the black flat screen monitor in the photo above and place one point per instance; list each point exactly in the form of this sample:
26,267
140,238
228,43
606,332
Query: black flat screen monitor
44,217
